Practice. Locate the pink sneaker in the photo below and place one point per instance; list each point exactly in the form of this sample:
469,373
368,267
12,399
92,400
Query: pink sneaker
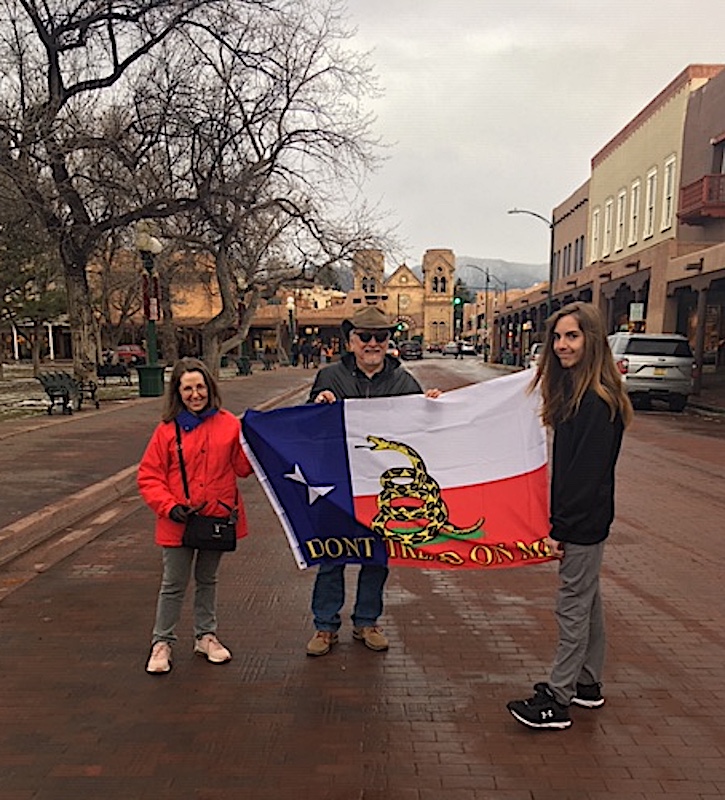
212,649
159,662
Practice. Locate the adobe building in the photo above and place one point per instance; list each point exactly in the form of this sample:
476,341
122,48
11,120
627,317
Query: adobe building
649,223
421,308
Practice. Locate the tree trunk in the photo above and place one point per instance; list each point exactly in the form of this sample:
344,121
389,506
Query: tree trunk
82,328
167,329
213,331
35,345
211,351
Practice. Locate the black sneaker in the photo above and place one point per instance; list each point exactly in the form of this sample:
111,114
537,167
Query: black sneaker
540,711
588,695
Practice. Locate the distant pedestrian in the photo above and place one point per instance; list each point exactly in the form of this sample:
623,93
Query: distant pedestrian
585,403
459,349
195,425
306,353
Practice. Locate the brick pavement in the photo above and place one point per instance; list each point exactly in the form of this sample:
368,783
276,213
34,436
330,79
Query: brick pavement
81,719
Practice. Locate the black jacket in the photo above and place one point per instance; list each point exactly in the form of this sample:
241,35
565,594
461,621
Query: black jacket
586,448
347,382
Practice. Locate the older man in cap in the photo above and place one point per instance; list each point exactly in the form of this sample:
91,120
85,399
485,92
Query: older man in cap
366,370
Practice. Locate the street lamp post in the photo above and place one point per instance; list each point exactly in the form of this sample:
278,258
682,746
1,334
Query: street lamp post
488,275
550,223
150,375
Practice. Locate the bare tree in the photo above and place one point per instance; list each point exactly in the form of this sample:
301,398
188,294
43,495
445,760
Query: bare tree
230,111
67,65
280,145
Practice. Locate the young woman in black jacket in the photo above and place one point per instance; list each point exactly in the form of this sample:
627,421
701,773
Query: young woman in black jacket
584,401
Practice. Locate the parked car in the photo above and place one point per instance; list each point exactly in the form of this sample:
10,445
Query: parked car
435,347
132,354
534,355
654,367
411,349
393,349
452,349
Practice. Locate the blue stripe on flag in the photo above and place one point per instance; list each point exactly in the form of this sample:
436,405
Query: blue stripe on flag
302,455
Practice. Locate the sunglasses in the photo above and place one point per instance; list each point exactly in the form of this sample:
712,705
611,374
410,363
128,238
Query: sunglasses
366,336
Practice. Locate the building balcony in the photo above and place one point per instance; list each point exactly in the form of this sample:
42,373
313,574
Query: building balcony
702,200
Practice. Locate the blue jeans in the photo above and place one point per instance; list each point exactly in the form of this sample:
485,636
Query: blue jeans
328,596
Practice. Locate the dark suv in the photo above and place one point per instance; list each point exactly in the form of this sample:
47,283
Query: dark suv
654,366
411,349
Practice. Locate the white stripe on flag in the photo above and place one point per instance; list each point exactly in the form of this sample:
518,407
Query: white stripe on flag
485,432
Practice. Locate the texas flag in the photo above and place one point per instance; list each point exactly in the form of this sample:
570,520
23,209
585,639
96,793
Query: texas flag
454,482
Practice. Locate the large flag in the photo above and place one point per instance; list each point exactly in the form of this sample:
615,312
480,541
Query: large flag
454,482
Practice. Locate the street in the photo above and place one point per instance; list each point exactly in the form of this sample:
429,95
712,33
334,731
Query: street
424,721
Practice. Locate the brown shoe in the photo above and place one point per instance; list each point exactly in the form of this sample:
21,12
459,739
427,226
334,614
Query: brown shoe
159,662
321,643
372,636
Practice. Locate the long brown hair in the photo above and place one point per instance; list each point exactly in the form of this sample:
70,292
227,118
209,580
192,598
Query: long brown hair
173,404
562,389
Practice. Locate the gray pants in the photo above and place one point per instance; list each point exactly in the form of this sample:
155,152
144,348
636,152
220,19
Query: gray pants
580,653
177,571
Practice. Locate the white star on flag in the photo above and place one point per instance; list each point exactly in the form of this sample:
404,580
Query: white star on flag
313,492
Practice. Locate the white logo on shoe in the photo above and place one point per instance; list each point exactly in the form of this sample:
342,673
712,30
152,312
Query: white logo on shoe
547,714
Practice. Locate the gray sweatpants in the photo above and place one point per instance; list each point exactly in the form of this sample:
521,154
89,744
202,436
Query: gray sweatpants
580,653
177,571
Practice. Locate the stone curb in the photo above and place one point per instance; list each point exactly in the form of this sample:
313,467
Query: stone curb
26,533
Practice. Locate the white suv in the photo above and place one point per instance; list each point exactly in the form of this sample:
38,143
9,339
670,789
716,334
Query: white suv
534,354
654,366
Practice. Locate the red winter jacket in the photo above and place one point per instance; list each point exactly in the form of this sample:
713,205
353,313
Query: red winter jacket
213,457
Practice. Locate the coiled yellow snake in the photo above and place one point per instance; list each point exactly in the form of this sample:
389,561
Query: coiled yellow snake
425,514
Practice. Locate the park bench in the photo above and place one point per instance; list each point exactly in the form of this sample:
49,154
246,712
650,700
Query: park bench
105,371
66,391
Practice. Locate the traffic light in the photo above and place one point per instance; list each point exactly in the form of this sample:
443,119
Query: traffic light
457,301
400,327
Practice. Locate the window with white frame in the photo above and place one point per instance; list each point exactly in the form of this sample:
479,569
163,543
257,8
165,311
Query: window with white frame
607,234
634,195
668,192
594,253
649,203
621,210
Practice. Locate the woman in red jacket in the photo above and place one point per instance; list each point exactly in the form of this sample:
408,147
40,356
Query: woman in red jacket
213,457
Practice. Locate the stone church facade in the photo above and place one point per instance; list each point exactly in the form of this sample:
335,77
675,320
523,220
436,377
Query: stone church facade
423,308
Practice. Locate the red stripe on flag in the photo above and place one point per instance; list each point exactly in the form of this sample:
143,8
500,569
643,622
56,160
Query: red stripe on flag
445,534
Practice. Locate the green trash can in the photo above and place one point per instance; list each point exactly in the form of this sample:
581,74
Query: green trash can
150,380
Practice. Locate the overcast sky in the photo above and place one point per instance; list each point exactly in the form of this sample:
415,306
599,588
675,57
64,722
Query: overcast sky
496,104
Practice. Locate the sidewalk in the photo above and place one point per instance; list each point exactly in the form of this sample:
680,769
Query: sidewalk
712,393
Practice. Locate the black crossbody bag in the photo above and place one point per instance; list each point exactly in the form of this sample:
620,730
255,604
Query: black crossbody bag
202,532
